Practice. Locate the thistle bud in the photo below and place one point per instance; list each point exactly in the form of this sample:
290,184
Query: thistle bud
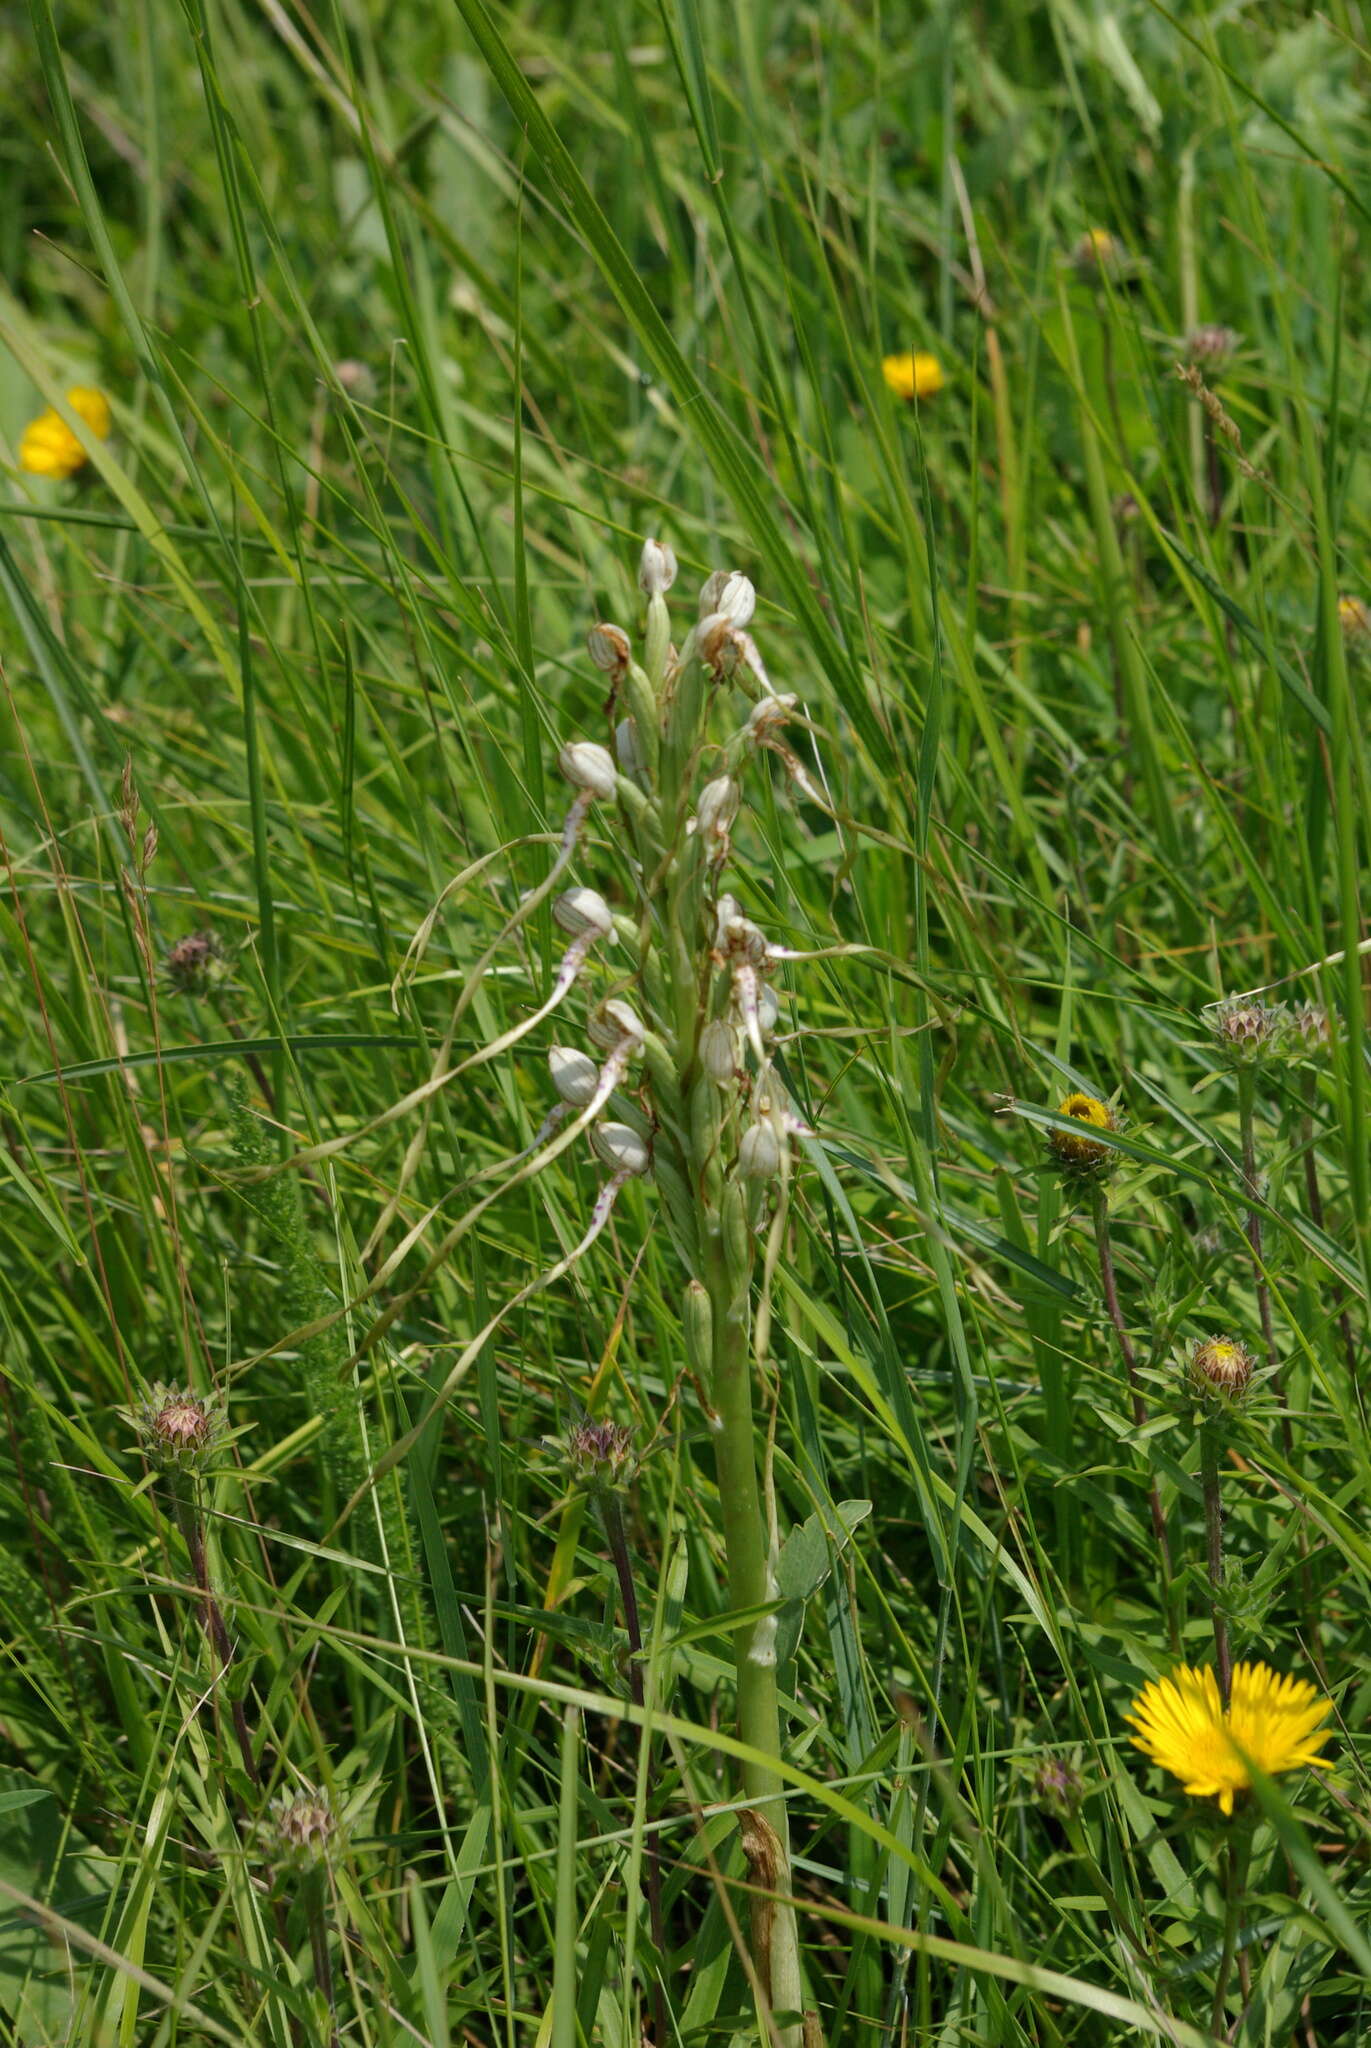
612,1022
729,595
579,911
176,1427
1247,1033
608,647
1211,348
1075,1151
1057,1787
196,964
588,765
759,1153
718,1052
656,568
301,1829
575,1075
1309,1029
717,807
621,1149
1221,1369
601,1455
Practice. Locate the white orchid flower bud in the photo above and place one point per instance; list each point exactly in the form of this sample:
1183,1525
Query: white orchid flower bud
718,1053
656,569
588,765
768,1009
608,647
612,1022
717,807
574,1074
620,1148
729,594
579,911
628,747
759,1153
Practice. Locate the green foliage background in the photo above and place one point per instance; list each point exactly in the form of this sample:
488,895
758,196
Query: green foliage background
415,320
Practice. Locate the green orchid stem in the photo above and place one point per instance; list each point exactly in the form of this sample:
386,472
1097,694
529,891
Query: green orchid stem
1236,1858
1110,1284
1213,1523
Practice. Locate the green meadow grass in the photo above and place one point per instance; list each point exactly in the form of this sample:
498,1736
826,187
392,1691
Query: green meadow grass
415,321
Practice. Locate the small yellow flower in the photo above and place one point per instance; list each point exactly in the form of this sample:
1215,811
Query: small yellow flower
1354,616
1097,251
916,376
1274,1721
48,446
1221,1368
1067,1147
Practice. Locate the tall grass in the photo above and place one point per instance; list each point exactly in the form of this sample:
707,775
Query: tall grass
414,322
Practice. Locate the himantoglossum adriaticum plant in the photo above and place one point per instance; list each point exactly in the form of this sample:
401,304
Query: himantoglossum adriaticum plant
663,1013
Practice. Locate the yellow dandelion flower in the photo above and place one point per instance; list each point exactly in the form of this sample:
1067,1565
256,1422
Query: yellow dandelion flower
1067,1147
915,376
48,446
1274,1721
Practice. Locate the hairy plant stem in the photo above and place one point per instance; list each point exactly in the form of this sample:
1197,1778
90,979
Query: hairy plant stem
192,1528
1236,1856
1210,1432
317,1918
1111,1301
616,1535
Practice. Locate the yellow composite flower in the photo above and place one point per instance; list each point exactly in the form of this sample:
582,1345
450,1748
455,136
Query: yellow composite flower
1273,1720
913,376
1072,1150
48,447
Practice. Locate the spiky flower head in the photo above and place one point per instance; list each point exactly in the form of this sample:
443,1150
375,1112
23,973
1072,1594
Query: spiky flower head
301,1830
602,1455
1211,348
176,1427
1074,1149
1057,1787
48,447
1221,1369
1272,1721
1309,1030
919,375
196,964
1247,1032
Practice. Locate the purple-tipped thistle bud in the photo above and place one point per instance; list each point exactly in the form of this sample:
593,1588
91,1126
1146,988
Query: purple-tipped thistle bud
759,1152
1057,1787
1247,1032
656,568
575,1075
1211,348
1310,1031
579,911
177,1427
588,765
301,1830
608,647
620,1148
611,1023
601,1455
195,964
1221,1369
718,1052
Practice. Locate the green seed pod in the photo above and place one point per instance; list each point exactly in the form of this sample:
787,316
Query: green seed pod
698,1323
737,1236
705,1119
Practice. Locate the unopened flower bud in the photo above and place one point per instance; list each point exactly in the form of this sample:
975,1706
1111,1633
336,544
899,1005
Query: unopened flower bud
768,1009
767,716
575,1075
601,1454
718,1052
717,807
610,1023
301,1829
656,569
1096,251
176,1427
628,747
720,643
1221,1369
1309,1028
608,647
196,964
730,594
588,765
1074,1150
1057,1787
1211,348
759,1153
620,1148
1246,1033
578,911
